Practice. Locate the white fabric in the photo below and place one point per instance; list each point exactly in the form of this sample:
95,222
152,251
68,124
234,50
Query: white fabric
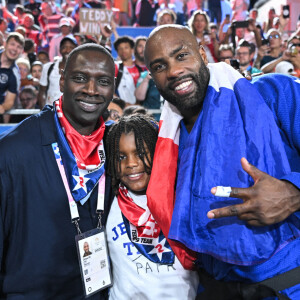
126,87
53,92
134,276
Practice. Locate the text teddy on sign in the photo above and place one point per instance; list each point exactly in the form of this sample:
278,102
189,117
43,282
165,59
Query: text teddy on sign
90,19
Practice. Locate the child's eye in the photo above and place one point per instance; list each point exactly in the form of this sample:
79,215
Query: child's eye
142,154
121,157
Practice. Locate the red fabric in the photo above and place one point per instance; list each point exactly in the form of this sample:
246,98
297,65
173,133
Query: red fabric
136,215
84,148
161,194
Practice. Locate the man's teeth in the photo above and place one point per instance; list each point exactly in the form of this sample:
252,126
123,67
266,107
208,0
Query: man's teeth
183,85
134,175
88,104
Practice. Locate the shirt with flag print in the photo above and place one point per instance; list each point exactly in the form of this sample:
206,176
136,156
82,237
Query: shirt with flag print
134,275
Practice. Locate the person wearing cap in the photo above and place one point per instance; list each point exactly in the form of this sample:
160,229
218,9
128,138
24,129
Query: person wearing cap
65,26
49,90
291,54
274,50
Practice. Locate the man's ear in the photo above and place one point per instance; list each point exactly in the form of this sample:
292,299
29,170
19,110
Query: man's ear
203,54
62,81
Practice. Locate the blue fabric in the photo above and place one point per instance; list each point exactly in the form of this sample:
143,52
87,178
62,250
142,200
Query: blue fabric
73,173
231,125
167,257
38,255
281,94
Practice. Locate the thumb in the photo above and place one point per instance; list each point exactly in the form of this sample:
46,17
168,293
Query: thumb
255,173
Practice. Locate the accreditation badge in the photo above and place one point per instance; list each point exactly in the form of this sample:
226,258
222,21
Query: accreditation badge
93,260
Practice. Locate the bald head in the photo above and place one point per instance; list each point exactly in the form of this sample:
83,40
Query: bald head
178,67
169,33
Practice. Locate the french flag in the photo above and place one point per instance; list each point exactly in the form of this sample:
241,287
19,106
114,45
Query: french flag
161,188
234,122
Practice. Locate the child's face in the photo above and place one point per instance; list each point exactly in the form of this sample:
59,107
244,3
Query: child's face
133,174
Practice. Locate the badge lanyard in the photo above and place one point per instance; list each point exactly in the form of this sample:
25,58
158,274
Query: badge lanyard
73,205
94,264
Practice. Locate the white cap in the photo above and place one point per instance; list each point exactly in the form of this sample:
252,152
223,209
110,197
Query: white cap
285,67
64,22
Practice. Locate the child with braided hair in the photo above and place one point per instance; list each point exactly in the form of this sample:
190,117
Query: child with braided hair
144,265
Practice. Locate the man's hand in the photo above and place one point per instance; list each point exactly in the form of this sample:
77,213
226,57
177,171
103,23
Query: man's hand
267,202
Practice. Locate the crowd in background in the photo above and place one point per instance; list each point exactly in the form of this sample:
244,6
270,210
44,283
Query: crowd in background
47,32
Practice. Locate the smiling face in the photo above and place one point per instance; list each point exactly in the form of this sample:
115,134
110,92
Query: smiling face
13,49
180,74
132,172
88,86
199,24
66,49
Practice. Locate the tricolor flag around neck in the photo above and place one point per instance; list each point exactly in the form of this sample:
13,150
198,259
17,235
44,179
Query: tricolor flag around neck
161,188
235,122
84,164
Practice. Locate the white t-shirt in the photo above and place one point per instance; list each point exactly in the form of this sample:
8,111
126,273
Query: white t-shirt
126,87
53,92
136,277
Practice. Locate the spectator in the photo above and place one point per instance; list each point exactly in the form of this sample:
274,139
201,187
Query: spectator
30,30
165,4
134,109
147,93
49,90
127,72
199,24
285,67
145,11
43,57
29,50
274,39
240,9
21,30
34,6
115,109
244,56
75,13
292,54
214,8
65,26
68,4
271,15
3,27
49,23
166,16
10,76
36,69
139,48
28,100
125,11
225,52
19,12
26,78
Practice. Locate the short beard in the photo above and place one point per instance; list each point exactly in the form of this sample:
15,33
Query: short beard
190,104
139,57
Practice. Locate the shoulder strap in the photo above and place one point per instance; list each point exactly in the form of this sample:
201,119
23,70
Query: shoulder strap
120,74
48,75
139,68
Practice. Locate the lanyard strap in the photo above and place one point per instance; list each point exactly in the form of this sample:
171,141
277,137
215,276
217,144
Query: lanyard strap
73,205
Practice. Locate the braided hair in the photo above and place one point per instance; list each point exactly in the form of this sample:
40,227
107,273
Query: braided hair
145,130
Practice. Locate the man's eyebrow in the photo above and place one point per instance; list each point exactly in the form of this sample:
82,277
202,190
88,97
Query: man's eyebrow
172,53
